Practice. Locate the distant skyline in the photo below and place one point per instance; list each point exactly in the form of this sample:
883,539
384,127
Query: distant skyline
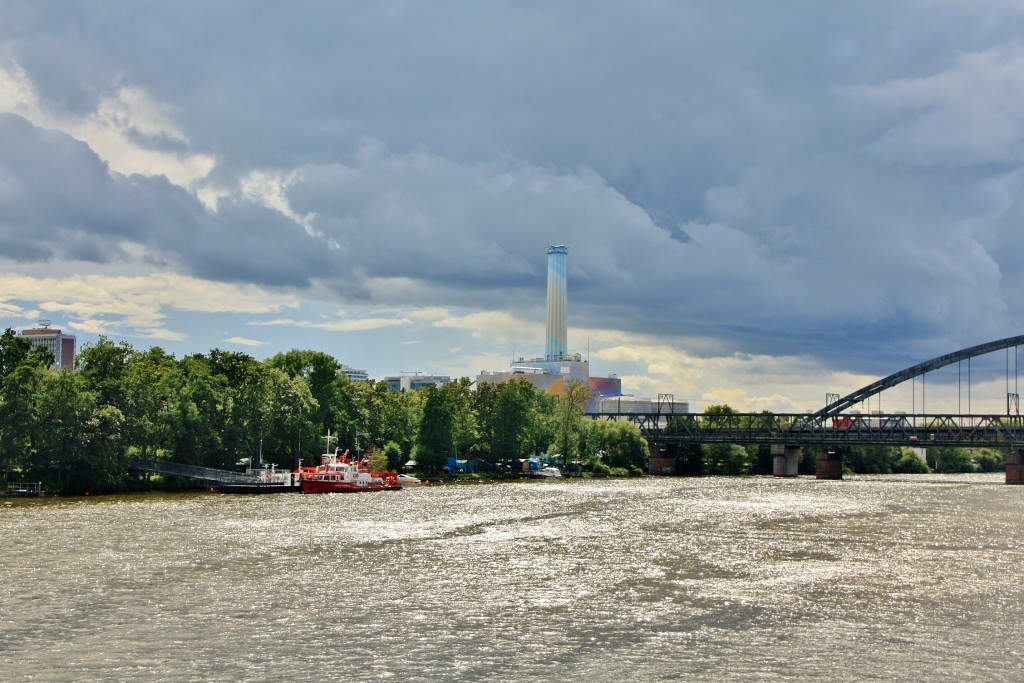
763,202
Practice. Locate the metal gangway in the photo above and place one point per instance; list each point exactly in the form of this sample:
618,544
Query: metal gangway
209,474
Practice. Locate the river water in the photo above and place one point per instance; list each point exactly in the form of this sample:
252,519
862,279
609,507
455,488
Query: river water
745,579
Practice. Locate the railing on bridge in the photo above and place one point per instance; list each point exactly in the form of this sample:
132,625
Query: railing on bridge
802,429
192,471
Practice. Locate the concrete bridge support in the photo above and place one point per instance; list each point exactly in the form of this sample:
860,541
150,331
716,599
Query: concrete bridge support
785,460
829,464
1014,467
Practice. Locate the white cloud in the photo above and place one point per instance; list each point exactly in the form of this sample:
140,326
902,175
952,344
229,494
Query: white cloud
139,305
243,341
114,130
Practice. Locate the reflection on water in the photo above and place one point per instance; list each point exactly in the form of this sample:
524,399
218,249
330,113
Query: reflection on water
654,579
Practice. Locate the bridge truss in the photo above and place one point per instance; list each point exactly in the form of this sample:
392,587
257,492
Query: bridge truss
800,429
831,427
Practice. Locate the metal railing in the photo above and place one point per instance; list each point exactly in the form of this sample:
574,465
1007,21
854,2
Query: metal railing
1000,431
209,474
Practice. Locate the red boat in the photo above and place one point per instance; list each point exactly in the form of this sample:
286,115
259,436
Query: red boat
341,474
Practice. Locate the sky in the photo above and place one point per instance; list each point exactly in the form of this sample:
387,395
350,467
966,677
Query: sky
764,202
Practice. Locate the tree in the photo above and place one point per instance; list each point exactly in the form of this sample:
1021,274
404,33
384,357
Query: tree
724,458
323,375
689,456
622,444
569,419
908,462
193,418
103,366
146,399
289,421
949,460
22,372
393,452
246,407
435,444
876,459
513,412
458,395
66,407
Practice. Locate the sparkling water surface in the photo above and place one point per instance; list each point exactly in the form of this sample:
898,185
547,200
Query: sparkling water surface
744,579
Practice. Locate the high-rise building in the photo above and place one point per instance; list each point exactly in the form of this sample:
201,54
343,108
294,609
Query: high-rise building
558,367
556,333
354,374
61,345
411,381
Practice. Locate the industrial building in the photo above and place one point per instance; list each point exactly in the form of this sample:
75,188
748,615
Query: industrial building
558,367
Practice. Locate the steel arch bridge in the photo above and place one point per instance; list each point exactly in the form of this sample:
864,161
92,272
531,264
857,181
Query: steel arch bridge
828,426
918,370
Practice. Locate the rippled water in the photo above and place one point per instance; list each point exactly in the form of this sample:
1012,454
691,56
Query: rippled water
654,579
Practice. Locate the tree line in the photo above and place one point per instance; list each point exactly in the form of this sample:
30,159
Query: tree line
74,430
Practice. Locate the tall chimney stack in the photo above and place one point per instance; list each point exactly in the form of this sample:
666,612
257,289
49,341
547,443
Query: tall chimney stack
556,344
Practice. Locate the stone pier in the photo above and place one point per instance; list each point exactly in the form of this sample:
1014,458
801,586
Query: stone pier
1014,468
785,460
829,464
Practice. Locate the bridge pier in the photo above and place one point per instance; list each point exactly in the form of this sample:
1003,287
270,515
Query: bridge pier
1014,468
785,460
829,464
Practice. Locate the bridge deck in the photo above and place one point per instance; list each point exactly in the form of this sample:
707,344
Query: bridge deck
1001,431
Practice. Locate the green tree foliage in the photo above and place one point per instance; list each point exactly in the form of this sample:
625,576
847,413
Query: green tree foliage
909,462
723,458
569,425
73,430
989,460
459,397
949,460
689,456
513,418
871,459
621,445
436,441
289,418
193,418
21,375
395,456
321,372
146,400
103,366
65,428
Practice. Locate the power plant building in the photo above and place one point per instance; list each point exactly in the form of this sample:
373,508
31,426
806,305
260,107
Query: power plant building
558,367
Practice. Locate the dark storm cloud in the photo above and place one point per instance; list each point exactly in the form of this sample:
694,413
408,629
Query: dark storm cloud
59,200
785,177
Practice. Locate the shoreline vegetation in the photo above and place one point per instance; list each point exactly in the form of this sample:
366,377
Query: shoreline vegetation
72,431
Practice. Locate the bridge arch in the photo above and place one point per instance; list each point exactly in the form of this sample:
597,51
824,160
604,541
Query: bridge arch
892,380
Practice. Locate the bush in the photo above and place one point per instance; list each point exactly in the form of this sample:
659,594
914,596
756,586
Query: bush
989,460
952,460
910,463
